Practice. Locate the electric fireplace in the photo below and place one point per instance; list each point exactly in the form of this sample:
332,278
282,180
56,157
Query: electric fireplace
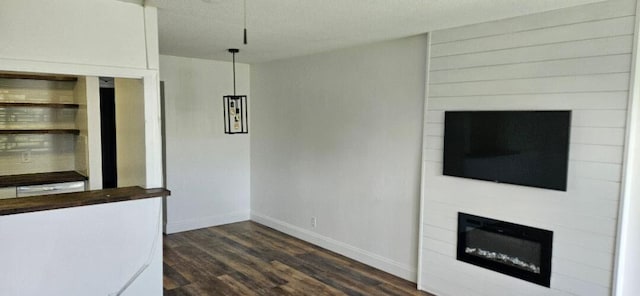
520,251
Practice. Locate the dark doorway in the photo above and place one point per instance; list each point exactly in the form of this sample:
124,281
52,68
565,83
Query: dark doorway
108,129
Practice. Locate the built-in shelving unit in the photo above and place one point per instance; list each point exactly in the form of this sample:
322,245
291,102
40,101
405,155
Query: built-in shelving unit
40,130
23,100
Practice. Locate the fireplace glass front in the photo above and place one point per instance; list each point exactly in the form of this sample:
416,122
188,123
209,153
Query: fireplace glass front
520,251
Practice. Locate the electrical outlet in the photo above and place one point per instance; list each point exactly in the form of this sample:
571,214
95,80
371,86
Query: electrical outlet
26,156
314,222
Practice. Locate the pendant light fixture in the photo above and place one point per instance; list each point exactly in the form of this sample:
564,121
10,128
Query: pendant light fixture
236,115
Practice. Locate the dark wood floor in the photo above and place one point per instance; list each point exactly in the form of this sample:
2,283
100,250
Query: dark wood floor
250,259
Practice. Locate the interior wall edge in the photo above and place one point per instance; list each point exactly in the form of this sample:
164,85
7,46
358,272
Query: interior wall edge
630,182
423,166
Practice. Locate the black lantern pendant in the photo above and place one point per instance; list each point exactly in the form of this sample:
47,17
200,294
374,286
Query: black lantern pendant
235,107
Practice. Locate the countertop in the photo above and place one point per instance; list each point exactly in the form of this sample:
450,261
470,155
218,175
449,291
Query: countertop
40,178
21,205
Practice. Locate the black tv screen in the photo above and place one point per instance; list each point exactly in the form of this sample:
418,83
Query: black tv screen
529,148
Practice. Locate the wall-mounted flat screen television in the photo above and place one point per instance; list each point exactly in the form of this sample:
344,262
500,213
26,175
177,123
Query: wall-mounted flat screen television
529,148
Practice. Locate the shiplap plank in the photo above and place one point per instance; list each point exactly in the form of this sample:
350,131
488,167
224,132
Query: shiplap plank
555,213
597,136
578,287
576,66
571,49
440,247
434,142
583,239
596,170
597,189
596,225
583,272
587,83
435,116
564,101
592,205
434,129
528,200
597,153
579,31
593,181
434,155
602,260
435,275
596,11
432,169
599,118
441,234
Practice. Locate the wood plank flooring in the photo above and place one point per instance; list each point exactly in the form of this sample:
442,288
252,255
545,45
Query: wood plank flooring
247,258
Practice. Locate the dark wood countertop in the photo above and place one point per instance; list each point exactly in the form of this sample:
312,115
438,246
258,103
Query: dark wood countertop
40,178
21,205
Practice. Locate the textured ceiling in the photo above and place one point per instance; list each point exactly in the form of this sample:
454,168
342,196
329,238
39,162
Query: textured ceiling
286,28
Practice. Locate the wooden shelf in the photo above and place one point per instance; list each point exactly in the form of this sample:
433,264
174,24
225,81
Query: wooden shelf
38,77
76,199
39,131
41,105
40,178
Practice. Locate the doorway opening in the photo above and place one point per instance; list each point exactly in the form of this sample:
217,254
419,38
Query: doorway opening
108,132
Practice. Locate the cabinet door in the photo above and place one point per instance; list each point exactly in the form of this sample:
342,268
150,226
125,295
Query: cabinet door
7,192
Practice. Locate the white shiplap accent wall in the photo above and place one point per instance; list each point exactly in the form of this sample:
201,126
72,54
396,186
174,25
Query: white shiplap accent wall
571,59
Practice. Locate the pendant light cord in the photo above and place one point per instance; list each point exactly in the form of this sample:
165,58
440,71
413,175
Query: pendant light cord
245,21
234,73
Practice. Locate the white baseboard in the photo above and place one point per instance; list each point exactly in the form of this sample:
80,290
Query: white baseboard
393,267
203,222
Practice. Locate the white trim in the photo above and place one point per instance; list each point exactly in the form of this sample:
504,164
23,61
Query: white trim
419,282
204,222
94,133
628,170
385,264
152,131
34,66
151,36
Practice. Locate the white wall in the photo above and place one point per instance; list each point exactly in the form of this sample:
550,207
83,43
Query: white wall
337,136
207,170
95,32
577,59
89,250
